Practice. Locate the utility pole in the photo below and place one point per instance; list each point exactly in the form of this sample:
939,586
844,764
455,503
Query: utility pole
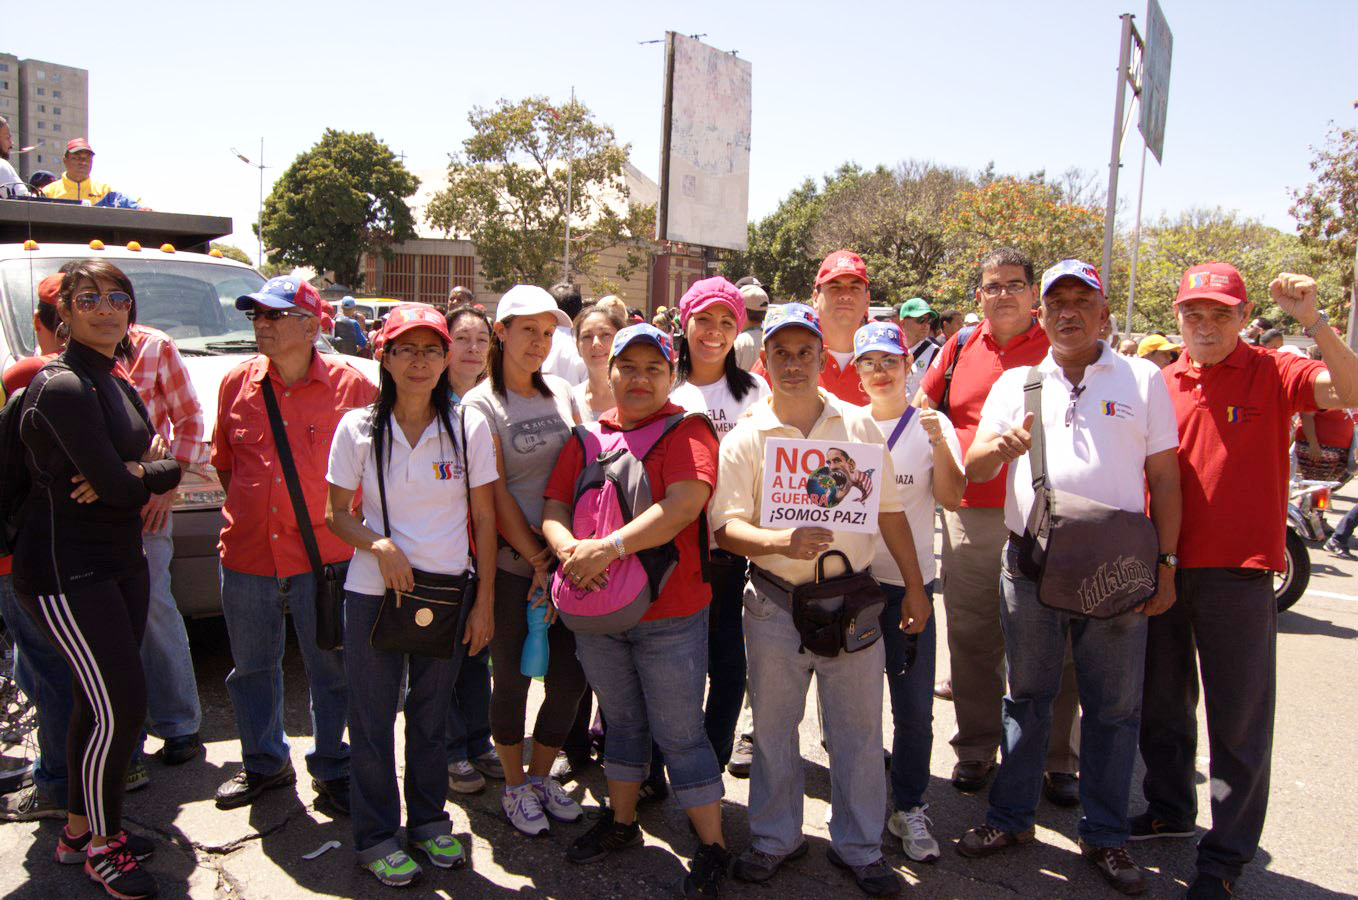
570,179
259,220
1114,162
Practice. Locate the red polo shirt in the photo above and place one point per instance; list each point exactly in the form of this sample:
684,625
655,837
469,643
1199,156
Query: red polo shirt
688,453
260,536
980,367
843,383
1334,428
1234,425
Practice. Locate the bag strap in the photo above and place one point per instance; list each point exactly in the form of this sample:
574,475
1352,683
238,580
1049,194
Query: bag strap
466,476
1038,516
964,337
820,563
280,440
900,427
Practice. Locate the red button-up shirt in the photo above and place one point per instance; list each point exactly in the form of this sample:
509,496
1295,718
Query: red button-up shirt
983,361
260,536
162,381
843,383
1234,426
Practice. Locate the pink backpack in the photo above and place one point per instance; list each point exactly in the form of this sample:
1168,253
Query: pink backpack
613,489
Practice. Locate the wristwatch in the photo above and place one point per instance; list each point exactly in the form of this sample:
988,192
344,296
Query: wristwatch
1168,559
1322,320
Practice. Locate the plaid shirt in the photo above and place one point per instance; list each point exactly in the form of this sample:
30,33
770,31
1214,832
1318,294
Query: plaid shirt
162,381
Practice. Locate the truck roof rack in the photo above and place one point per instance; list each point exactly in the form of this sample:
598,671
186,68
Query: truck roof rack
21,220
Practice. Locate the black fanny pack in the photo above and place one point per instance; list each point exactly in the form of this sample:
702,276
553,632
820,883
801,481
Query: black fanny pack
428,620
840,614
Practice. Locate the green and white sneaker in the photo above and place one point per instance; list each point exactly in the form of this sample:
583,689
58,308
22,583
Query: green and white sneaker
443,850
396,869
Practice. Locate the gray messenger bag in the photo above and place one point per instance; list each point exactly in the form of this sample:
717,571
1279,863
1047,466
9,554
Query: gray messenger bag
1086,557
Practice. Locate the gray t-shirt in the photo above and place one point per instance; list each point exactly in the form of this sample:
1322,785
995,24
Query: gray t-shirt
532,431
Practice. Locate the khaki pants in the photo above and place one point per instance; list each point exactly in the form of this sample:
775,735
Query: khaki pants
973,541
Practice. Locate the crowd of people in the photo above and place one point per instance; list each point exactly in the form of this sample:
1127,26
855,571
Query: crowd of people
566,491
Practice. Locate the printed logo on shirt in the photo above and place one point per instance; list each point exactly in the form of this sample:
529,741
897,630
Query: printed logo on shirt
1115,409
447,469
1240,414
531,434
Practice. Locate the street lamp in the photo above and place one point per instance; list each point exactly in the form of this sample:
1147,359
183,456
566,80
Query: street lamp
259,224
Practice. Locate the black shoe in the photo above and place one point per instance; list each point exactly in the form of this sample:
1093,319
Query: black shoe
119,873
707,872
757,867
876,879
1145,827
972,775
1061,788
1339,548
653,790
179,750
1205,887
602,839
246,786
570,767
332,796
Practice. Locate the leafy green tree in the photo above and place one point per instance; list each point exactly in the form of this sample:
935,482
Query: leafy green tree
507,191
230,251
1326,210
344,197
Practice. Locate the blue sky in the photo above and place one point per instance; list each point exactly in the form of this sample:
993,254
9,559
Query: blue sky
1027,85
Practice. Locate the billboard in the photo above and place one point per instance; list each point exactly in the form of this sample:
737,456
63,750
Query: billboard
705,146
1155,79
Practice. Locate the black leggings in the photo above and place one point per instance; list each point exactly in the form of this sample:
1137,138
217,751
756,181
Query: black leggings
565,681
98,628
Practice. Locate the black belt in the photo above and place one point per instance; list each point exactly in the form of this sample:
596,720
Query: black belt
777,588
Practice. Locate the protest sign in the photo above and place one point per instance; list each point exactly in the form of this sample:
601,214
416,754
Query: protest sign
830,484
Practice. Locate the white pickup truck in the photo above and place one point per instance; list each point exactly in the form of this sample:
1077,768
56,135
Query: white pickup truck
188,295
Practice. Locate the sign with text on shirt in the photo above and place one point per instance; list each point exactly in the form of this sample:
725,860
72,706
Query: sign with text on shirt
825,484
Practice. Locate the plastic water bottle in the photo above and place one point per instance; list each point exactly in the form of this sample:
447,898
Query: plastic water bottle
533,661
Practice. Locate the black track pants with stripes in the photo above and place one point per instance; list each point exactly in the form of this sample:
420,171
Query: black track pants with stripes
98,628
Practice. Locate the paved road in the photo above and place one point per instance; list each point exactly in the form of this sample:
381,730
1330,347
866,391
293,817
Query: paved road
1308,847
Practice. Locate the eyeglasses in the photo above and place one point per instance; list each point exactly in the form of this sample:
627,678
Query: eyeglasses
409,352
273,315
890,363
1075,393
1012,288
89,301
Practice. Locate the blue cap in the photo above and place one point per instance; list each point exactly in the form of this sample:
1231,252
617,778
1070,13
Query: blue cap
884,336
348,302
647,334
284,292
788,314
1072,268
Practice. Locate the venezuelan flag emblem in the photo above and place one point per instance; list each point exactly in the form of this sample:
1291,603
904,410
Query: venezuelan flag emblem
443,471
1110,407
1234,414
1198,279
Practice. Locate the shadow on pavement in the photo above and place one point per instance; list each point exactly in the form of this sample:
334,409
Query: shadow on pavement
1293,622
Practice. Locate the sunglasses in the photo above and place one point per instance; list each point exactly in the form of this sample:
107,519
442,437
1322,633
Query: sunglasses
89,301
273,315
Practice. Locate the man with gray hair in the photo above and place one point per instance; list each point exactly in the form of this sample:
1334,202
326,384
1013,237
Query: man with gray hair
11,185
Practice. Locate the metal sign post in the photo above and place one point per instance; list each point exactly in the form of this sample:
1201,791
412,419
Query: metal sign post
1114,161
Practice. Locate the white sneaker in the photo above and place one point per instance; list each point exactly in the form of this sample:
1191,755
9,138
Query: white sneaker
912,827
557,803
463,778
524,810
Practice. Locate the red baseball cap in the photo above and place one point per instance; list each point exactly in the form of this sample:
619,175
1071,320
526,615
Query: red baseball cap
842,262
79,143
1212,281
49,289
414,315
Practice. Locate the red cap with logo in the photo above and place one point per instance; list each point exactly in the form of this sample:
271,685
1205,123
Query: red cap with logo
842,262
79,143
49,289
1212,281
414,315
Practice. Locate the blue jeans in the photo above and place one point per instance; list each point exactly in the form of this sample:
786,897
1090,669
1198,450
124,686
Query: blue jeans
171,688
649,681
725,654
42,674
850,689
253,607
912,700
374,695
1110,657
469,711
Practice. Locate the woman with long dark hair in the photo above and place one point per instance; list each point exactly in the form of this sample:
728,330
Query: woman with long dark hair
712,313
94,460
531,416
420,463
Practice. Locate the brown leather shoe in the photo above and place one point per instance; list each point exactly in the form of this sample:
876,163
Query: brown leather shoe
972,775
943,689
1116,867
984,840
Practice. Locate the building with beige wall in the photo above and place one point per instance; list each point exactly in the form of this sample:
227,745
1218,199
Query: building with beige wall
46,104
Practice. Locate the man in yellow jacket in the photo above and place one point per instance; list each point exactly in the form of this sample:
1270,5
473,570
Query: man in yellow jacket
75,183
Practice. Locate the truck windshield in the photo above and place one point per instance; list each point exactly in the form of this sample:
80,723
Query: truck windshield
192,302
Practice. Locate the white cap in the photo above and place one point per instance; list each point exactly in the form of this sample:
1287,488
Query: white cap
529,300
971,319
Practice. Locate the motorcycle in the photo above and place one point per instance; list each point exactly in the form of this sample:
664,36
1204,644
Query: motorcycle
1306,501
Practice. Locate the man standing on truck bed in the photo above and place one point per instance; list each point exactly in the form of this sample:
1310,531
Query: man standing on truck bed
75,183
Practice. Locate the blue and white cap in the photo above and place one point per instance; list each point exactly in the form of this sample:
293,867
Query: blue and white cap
884,336
647,334
787,314
1072,268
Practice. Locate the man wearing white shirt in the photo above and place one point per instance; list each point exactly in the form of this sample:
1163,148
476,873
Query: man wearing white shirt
563,360
1106,420
11,185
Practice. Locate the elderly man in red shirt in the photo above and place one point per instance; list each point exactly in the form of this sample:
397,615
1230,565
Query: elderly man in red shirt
264,561
1234,404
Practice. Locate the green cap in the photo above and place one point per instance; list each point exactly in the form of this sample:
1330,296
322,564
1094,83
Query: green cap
915,307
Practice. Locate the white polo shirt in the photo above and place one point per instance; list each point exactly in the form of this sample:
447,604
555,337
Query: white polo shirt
426,496
924,354
1122,415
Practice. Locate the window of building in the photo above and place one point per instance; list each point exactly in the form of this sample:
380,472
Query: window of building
56,110
39,74
4,85
39,157
56,78
42,108
42,92
56,128
42,125
56,94
4,103
4,67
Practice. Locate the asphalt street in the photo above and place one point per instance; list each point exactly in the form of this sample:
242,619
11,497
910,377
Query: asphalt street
1308,847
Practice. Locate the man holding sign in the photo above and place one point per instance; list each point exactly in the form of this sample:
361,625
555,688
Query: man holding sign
784,541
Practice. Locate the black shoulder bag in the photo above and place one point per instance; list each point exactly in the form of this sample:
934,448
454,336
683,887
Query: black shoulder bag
329,576
963,338
1086,557
427,620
